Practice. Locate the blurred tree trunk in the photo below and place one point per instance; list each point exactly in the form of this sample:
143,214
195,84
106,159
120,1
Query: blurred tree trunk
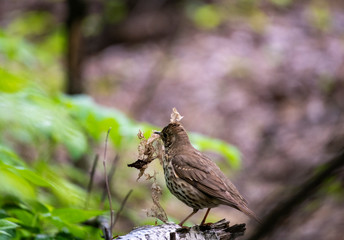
76,14
322,173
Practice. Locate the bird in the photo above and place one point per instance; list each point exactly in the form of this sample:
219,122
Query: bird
194,178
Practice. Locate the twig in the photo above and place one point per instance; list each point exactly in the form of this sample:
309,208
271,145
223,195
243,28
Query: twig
90,184
111,174
121,208
107,182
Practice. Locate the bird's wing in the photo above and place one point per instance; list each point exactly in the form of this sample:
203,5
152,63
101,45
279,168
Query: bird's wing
205,175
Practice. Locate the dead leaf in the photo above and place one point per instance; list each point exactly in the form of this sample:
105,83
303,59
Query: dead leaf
156,210
147,152
175,116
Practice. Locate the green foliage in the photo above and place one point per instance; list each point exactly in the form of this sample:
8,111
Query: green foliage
96,120
49,201
41,196
37,118
282,3
36,59
6,225
25,205
229,152
72,215
319,15
9,82
211,16
207,16
333,187
115,11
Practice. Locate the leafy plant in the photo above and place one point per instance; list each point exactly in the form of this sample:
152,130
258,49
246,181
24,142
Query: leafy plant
27,202
42,196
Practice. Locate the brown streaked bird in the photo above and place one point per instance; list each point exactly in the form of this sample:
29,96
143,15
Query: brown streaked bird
195,179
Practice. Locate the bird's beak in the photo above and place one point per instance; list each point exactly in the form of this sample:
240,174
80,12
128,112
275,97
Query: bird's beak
157,132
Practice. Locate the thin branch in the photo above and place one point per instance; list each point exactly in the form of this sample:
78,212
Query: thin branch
107,182
219,231
90,184
110,174
121,208
304,191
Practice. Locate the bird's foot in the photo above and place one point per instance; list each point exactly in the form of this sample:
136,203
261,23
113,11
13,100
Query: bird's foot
206,224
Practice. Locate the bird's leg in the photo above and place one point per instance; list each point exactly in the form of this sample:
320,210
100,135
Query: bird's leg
205,216
193,212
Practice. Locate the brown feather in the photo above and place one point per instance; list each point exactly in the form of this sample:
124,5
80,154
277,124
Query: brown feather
190,166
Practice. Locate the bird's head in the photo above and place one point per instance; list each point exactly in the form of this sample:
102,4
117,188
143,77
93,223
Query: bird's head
174,134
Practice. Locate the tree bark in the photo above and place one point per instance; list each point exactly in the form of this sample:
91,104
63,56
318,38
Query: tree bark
76,14
171,231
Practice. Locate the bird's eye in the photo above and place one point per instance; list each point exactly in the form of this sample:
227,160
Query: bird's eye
164,135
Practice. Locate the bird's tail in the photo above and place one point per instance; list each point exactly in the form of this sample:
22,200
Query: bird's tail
249,213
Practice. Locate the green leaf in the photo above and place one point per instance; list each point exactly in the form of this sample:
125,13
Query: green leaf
31,176
38,207
207,16
5,233
7,156
10,82
14,220
30,23
44,237
43,118
24,216
228,151
14,185
97,119
77,232
72,215
5,224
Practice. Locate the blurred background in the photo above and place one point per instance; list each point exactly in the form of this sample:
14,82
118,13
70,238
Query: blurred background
260,84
